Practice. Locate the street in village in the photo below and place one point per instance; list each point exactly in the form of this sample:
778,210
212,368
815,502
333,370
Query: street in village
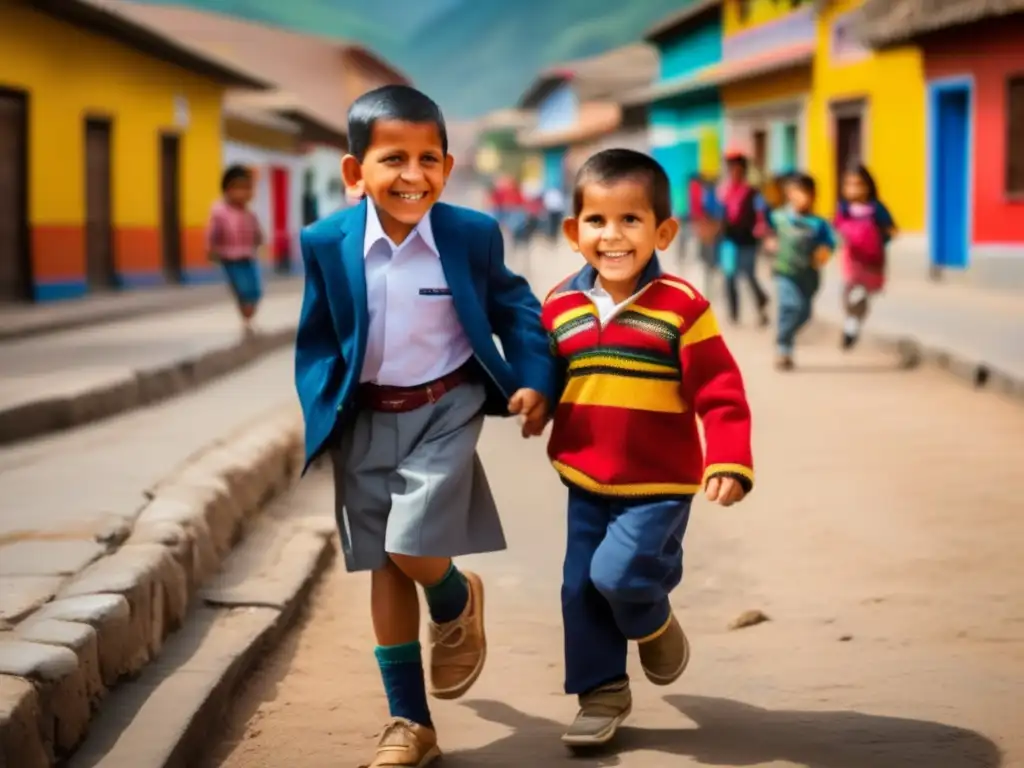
882,544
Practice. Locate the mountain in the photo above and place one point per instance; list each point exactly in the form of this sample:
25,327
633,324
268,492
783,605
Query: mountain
473,56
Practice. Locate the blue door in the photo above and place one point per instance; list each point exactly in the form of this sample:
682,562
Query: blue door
949,227
680,160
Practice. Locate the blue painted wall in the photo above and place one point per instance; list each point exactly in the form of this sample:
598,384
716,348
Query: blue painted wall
686,129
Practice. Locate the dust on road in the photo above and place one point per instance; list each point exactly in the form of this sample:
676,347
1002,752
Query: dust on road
882,541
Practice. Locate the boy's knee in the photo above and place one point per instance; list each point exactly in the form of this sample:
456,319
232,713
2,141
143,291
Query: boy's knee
612,574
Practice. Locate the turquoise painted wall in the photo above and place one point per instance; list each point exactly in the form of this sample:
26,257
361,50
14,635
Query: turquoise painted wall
685,130
554,168
681,130
691,50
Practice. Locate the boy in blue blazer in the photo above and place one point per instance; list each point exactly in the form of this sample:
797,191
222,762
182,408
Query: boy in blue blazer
396,366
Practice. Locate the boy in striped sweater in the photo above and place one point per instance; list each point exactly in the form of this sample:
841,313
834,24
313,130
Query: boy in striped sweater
643,360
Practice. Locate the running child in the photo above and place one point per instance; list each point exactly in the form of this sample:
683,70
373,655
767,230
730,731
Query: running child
234,237
865,228
802,245
396,366
642,359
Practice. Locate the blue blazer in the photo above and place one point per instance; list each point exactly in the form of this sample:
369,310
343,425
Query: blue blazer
489,300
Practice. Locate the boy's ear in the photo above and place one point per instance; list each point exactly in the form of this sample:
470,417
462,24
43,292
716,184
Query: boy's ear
449,163
667,231
351,171
571,230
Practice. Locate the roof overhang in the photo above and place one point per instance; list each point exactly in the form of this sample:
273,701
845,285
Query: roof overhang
672,25
724,73
595,118
103,20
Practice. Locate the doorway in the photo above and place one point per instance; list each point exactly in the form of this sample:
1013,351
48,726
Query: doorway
849,141
760,159
790,160
950,182
280,201
170,205
99,252
15,267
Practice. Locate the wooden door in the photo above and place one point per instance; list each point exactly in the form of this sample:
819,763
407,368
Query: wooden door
760,159
849,143
170,206
99,250
15,273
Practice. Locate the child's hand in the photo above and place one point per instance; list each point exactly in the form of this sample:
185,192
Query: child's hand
821,255
724,490
532,408
771,244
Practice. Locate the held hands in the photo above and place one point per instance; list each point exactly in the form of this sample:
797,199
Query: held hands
726,491
532,408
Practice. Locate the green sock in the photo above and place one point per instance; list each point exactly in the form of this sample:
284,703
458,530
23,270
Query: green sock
447,599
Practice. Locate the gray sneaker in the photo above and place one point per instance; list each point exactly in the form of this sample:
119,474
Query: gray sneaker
665,657
601,713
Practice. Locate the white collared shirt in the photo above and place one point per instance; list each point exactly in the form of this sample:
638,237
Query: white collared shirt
606,306
414,335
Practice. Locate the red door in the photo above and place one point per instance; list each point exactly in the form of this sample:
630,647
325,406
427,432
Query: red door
279,204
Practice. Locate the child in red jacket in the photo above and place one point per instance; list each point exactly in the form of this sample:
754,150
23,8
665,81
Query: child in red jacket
643,359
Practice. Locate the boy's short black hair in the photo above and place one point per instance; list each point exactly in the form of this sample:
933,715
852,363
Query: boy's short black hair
802,181
611,165
390,102
232,174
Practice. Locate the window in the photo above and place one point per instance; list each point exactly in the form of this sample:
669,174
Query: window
1015,136
743,10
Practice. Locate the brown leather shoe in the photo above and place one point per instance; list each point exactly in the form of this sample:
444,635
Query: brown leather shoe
664,658
458,649
405,744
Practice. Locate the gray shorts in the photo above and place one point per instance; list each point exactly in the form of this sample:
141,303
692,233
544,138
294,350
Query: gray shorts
412,483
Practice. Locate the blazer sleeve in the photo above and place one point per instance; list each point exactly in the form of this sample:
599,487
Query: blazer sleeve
514,314
714,387
317,352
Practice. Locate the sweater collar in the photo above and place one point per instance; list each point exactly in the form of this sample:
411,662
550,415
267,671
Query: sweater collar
587,277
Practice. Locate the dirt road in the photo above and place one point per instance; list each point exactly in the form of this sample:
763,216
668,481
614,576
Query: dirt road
883,541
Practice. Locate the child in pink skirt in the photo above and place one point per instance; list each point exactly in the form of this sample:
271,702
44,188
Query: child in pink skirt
234,237
865,226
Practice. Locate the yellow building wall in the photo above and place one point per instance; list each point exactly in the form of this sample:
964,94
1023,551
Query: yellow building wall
70,74
788,84
893,84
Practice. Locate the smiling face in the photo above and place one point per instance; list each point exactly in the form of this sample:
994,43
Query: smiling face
404,172
617,232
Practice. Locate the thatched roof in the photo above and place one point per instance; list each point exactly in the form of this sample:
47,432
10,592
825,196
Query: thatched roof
891,22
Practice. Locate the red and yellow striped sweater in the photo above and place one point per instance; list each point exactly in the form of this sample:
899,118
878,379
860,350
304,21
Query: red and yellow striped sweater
626,423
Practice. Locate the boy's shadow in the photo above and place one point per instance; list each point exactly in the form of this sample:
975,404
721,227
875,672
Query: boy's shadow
731,733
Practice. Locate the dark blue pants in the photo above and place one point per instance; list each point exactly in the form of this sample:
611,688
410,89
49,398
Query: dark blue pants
622,560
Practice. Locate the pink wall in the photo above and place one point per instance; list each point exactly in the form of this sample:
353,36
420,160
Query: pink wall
990,53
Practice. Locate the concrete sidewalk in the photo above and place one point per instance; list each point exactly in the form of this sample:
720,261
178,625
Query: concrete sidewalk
65,379
108,532
18,321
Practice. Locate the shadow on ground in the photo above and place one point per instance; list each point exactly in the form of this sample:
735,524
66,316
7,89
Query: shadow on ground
731,733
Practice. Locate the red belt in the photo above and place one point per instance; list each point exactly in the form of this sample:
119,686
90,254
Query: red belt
377,397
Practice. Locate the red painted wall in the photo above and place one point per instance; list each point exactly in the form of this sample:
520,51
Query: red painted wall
990,52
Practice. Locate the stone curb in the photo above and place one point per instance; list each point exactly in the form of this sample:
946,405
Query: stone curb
914,353
136,389
112,619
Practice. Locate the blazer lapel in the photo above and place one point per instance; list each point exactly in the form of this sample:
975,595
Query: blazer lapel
455,263
354,262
